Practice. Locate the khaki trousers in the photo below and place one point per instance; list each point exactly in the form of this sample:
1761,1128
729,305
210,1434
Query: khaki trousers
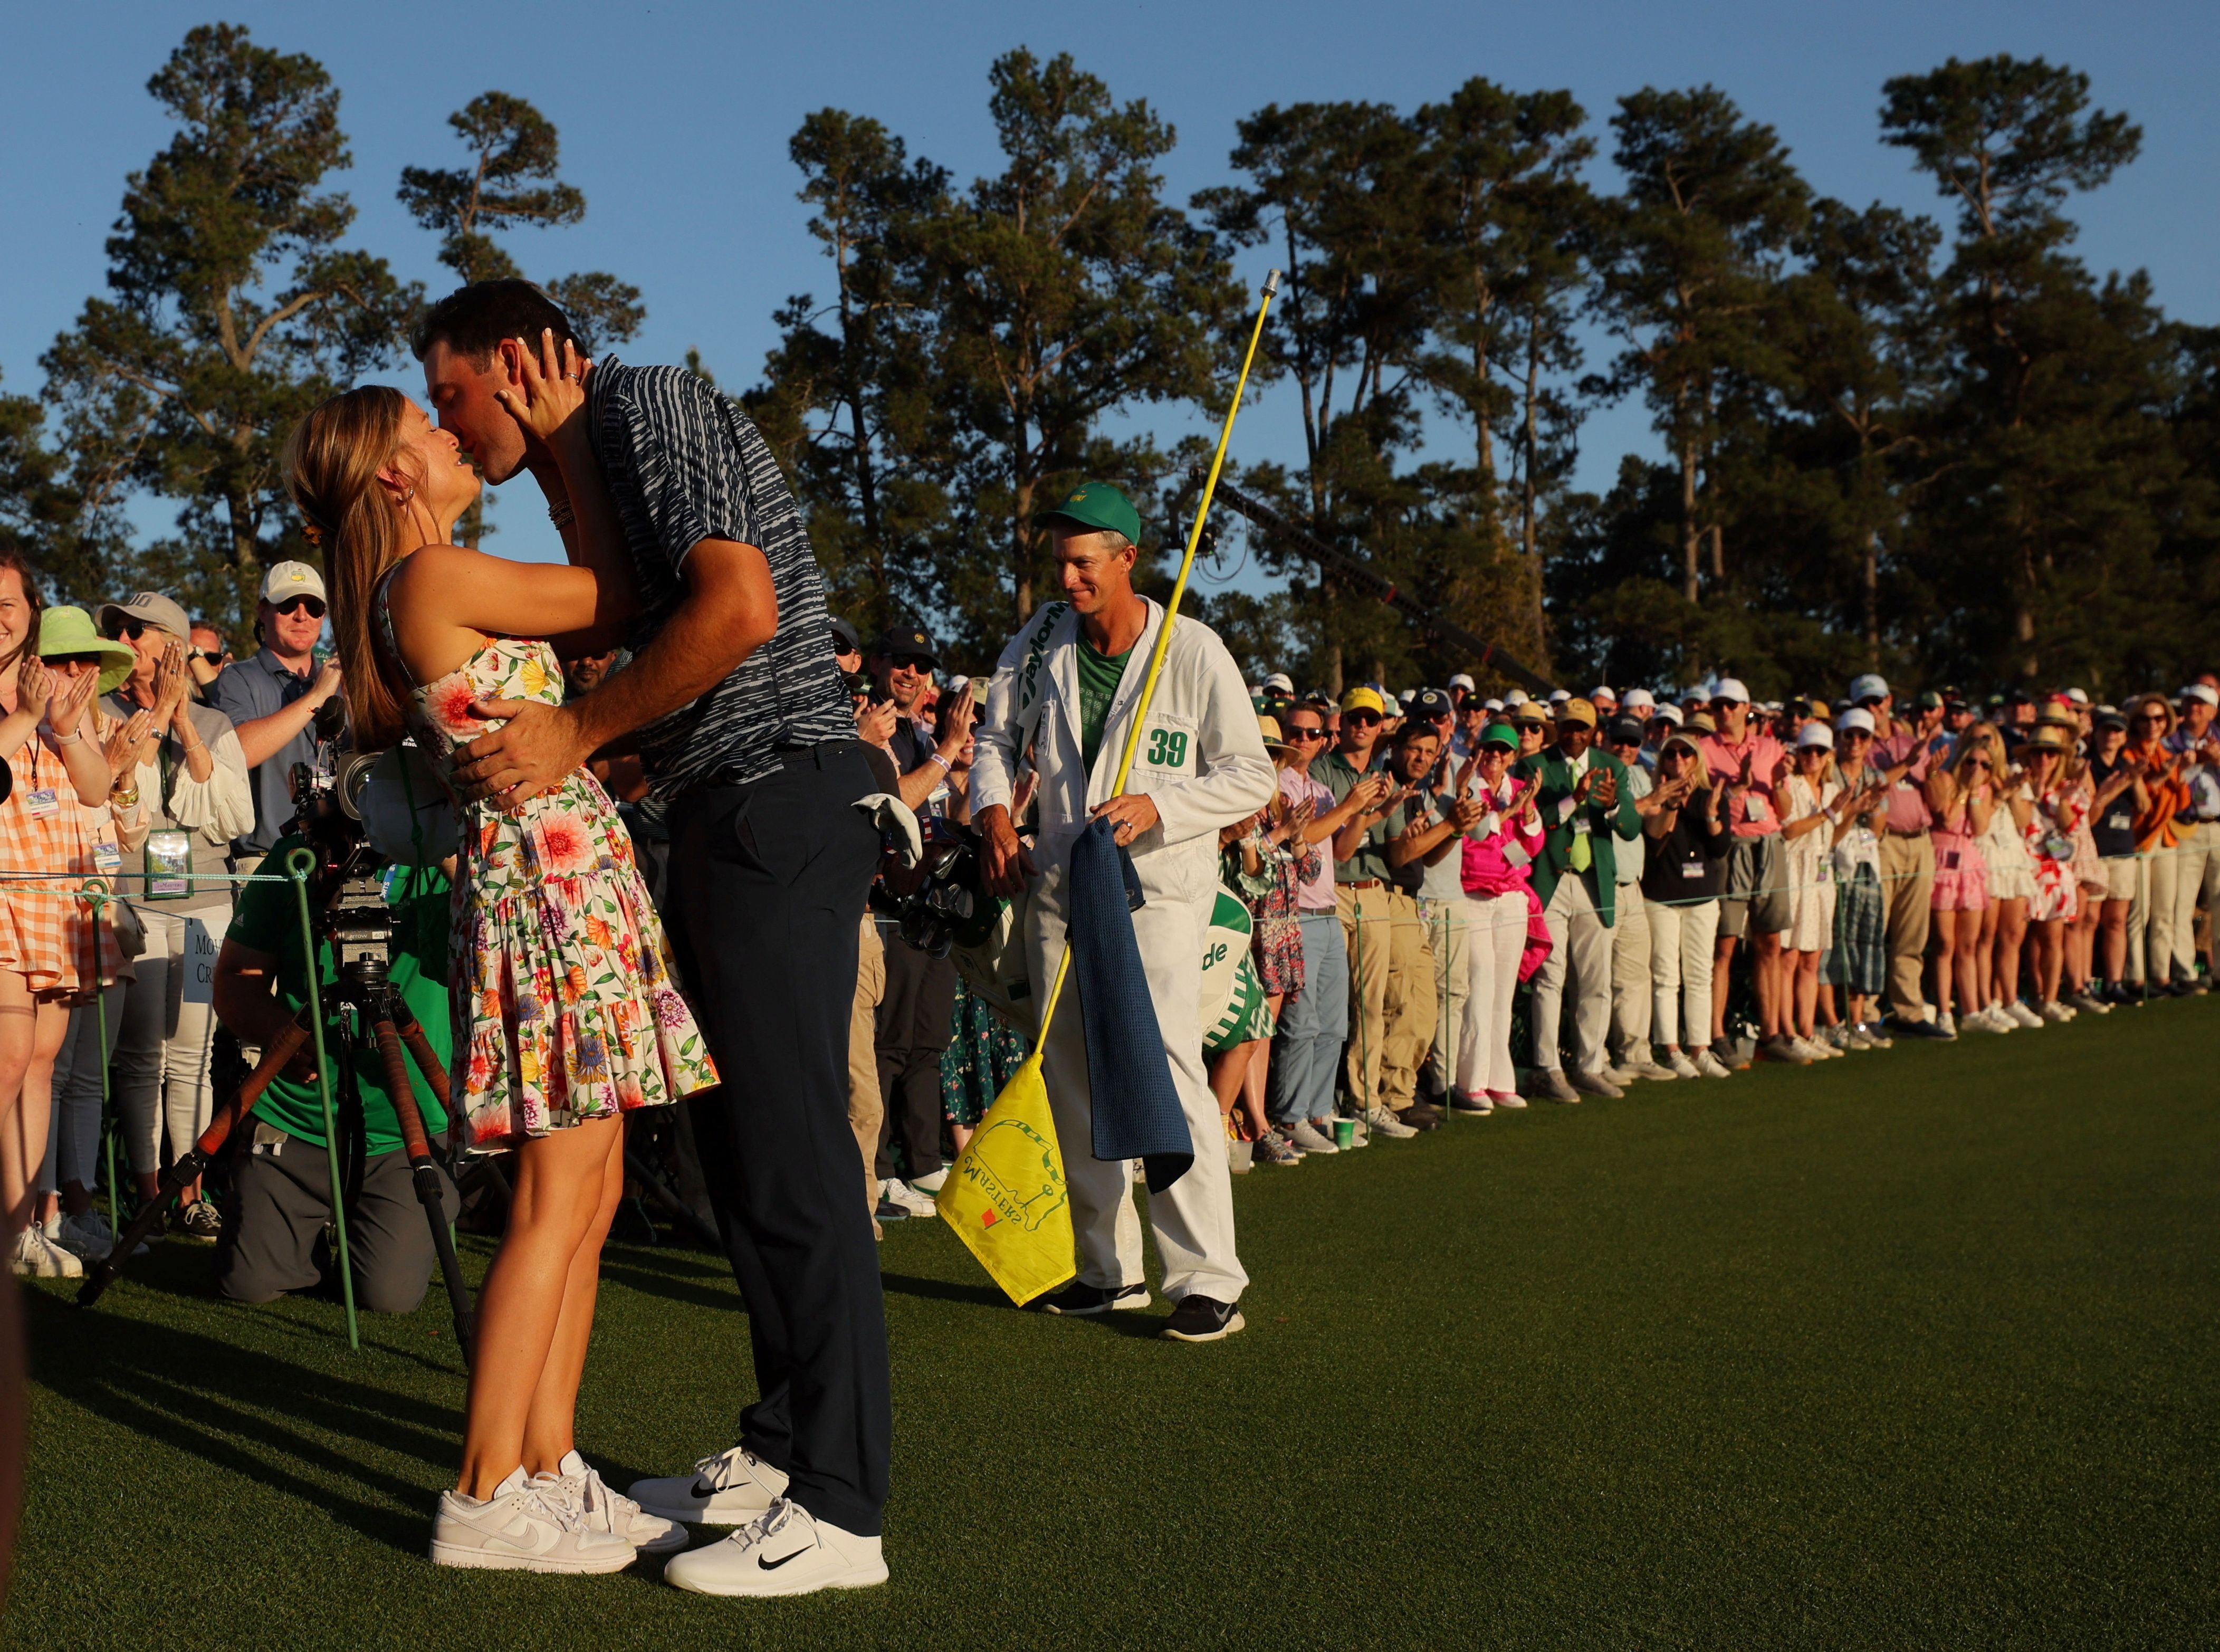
1414,1006
1907,880
1368,930
865,1108
1445,934
1633,995
2197,876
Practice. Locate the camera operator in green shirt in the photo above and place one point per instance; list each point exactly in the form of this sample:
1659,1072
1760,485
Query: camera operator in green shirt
281,1197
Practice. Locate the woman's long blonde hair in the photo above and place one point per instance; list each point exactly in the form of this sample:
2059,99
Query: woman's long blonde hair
331,462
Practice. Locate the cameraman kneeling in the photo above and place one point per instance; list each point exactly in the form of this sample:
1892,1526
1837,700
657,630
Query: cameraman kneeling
281,1178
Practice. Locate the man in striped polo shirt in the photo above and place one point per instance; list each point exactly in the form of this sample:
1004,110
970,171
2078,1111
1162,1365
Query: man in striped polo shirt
748,736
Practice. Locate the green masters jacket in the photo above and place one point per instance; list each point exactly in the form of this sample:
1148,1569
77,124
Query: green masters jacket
1605,825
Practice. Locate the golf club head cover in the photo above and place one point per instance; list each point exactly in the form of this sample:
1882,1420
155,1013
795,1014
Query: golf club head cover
1136,1113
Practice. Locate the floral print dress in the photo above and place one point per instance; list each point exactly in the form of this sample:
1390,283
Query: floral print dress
564,1004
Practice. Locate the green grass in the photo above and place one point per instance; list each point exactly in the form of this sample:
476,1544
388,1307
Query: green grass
1913,1349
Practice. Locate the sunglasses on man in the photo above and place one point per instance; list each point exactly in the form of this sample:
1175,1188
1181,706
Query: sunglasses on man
1297,732
294,604
1361,719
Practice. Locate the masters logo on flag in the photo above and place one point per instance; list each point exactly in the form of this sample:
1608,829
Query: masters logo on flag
1004,1195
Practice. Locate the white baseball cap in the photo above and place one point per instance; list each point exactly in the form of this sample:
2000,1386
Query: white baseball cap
1857,717
1602,691
1637,700
1492,705
2079,696
1868,687
1671,712
2200,691
1516,697
1730,688
1558,696
1280,681
1815,732
1461,681
287,580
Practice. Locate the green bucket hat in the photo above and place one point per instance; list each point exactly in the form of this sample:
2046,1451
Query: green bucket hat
1099,506
69,631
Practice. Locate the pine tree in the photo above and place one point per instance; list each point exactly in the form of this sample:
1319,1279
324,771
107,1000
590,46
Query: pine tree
233,308
513,183
847,401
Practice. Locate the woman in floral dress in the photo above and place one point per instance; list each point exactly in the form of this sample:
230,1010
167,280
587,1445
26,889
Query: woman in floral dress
565,1013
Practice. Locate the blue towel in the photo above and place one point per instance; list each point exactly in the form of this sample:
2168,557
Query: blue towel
1137,1111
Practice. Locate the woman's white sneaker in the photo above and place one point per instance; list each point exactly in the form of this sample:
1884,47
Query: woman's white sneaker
580,1484
521,1529
37,1256
785,1552
728,1488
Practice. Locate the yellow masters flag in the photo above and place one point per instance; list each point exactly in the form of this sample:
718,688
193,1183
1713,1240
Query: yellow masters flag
1005,1194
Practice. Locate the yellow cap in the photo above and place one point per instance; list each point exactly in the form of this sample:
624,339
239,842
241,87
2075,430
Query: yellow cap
1361,698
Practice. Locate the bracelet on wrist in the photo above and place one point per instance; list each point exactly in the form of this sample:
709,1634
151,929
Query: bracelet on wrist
562,515
63,740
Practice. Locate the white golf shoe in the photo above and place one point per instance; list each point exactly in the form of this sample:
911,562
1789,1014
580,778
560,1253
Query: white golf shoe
729,1489
784,1552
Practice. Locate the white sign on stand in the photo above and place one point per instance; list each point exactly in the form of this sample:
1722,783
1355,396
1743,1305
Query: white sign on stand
198,963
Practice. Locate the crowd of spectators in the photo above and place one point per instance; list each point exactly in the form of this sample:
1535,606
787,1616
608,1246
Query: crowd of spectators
1455,901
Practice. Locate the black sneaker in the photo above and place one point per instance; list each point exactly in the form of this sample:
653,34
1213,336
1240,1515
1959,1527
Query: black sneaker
1421,1116
1922,1029
1203,1319
890,1212
1079,1301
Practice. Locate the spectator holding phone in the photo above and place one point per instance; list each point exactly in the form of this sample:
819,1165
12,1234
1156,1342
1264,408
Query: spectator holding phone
1963,797
2117,796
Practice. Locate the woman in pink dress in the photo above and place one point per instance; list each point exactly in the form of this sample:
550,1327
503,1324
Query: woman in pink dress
1963,797
565,1013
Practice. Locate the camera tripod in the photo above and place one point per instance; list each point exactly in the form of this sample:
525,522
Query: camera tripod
382,1016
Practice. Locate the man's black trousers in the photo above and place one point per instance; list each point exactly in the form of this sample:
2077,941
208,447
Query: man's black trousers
913,1023
768,881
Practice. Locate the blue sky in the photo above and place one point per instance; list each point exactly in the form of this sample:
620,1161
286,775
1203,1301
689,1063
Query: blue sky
675,119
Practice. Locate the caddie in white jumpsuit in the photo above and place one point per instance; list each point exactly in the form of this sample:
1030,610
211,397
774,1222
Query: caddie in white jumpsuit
1065,690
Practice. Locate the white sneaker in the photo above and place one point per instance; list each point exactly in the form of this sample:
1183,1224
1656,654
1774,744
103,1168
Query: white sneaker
898,1192
88,1237
521,1529
2054,1011
582,1487
1709,1065
785,1552
2019,1012
930,1185
1381,1122
1682,1067
727,1488
1309,1138
37,1256
1507,1099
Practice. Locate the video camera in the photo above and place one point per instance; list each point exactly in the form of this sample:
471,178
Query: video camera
346,891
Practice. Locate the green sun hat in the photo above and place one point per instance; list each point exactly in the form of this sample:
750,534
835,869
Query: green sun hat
1098,505
69,631
1500,734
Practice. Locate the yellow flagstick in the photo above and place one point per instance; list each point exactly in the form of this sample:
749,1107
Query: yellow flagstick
1004,1195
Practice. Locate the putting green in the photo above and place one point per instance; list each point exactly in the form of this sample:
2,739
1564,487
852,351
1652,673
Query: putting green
1915,1349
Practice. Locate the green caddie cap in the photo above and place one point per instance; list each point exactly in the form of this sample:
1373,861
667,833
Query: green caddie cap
1098,505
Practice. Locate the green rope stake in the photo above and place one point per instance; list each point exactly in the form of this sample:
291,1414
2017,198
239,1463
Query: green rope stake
298,864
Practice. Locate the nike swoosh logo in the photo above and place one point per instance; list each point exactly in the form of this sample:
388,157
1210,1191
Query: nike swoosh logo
773,1565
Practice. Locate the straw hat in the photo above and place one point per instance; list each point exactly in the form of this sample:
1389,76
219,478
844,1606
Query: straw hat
1274,739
